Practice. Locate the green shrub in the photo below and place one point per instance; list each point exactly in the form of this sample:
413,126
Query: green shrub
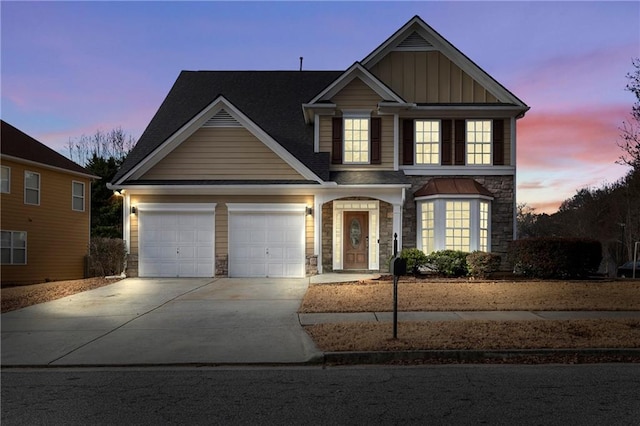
482,264
415,259
555,257
106,257
450,263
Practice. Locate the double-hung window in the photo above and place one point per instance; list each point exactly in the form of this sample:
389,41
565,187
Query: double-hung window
13,247
5,180
356,140
31,188
427,141
479,141
77,196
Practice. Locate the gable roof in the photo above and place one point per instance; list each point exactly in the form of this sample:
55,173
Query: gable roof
417,35
19,145
270,99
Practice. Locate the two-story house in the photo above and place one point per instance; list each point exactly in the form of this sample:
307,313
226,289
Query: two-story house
287,173
45,203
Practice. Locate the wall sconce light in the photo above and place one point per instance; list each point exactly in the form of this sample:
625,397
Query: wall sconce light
134,210
309,211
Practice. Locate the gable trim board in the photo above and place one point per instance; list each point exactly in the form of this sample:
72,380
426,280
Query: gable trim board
199,121
418,26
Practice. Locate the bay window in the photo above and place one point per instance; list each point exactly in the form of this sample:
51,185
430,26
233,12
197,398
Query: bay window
446,223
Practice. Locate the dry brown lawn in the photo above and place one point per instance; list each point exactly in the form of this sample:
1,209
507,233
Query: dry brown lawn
416,295
22,296
452,295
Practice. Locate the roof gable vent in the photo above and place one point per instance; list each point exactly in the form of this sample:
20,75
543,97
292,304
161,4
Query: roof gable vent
222,119
414,42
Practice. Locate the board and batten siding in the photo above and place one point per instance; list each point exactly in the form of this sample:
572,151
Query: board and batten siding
222,215
429,77
227,153
57,235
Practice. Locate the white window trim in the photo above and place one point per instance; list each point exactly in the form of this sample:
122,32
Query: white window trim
339,207
33,189
466,143
415,142
11,248
8,191
356,114
440,218
74,196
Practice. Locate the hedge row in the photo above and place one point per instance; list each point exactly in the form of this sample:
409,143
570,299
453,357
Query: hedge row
531,257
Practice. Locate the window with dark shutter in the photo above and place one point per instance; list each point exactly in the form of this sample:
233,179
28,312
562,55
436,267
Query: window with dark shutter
336,140
407,141
498,142
376,136
447,147
460,141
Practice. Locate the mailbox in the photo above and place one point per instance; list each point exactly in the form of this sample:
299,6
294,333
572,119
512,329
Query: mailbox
398,266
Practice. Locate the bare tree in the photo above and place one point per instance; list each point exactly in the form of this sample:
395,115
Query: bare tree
630,131
115,144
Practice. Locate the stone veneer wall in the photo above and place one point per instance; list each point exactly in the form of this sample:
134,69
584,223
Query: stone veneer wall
501,212
386,234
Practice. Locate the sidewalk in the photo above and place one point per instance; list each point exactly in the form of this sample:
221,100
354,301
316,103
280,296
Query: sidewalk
335,317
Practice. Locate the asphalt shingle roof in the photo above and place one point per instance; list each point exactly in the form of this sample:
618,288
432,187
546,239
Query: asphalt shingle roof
18,144
271,99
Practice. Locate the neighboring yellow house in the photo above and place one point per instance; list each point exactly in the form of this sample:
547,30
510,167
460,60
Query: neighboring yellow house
46,210
291,173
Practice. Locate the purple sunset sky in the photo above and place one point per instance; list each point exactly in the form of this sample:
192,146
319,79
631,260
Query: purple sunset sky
71,68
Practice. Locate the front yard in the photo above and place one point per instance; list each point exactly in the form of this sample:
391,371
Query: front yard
418,295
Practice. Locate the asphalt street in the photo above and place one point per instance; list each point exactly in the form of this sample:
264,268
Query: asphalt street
594,394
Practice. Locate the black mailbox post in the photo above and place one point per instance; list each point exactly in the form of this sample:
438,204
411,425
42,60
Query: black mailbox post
398,267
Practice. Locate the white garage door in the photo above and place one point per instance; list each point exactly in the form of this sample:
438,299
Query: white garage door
175,243
267,243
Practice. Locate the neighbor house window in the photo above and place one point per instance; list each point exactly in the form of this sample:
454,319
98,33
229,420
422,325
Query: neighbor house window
5,180
356,140
479,142
427,140
13,247
31,188
453,224
77,196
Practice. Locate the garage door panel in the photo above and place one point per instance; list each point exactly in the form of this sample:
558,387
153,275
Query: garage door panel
176,243
266,244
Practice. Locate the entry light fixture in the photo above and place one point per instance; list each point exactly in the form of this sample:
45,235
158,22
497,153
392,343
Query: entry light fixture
134,210
309,211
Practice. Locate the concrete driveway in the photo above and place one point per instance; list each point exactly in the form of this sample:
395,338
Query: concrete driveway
163,321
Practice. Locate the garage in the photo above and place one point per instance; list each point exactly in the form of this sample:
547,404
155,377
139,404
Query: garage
176,240
266,240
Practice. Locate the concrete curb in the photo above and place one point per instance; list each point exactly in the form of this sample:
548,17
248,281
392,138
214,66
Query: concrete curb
485,356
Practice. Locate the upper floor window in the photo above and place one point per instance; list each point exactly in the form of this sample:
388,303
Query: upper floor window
5,180
356,140
77,196
479,142
13,247
31,188
427,141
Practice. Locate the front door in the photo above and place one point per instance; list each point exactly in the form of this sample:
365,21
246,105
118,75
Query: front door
356,240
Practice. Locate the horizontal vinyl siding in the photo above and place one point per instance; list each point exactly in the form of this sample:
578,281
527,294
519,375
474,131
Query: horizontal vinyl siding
358,96
222,215
57,236
222,153
429,77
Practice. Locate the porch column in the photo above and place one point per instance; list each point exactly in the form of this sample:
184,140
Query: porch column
397,225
